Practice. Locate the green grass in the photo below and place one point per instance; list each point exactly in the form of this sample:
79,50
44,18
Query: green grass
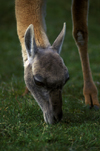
22,127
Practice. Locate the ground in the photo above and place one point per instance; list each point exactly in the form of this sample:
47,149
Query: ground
22,127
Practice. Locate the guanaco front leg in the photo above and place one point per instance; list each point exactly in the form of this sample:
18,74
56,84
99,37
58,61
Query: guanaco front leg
80,34
26,91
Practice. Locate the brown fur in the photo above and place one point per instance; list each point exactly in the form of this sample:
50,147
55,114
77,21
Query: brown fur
80,21
31,12
44,71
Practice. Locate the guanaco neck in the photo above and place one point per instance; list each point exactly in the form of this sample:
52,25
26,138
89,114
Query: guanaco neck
31,12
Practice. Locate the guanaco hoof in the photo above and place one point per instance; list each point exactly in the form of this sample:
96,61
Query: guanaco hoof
95,107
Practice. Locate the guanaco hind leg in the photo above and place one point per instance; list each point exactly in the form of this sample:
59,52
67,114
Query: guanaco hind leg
80,34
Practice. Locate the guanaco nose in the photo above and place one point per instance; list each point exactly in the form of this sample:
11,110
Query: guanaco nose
56,104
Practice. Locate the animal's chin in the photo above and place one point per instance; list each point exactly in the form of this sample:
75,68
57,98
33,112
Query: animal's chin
51,118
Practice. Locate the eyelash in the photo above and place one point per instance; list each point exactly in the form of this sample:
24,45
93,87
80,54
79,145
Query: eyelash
38,83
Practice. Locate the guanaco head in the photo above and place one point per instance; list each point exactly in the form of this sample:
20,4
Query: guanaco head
45,75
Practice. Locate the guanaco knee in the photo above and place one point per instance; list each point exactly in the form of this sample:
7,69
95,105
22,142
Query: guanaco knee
81,37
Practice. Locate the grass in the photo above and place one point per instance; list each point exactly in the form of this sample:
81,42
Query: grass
22,127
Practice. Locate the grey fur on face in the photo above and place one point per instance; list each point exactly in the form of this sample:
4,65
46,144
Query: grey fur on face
45,75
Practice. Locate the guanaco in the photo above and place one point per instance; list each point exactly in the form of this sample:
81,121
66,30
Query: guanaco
45,73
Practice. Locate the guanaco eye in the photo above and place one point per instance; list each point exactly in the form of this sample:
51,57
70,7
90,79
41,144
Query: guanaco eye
39,80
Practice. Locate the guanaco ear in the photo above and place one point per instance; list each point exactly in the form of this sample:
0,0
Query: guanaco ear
57,45
30,43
